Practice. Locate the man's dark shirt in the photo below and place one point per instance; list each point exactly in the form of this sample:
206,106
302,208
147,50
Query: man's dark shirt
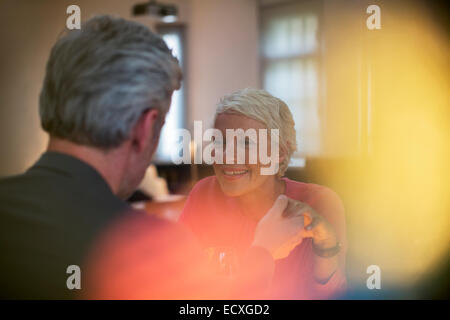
49,219
61,210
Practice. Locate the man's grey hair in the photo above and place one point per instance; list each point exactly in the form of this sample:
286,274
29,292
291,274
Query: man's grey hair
100,79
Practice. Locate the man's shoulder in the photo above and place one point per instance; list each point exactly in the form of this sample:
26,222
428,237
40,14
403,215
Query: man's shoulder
17,187
54,205
7,182
33,179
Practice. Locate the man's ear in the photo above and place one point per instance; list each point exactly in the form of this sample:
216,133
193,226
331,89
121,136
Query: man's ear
144,130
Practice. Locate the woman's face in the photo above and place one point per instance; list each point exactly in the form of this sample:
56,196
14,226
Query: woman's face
240,179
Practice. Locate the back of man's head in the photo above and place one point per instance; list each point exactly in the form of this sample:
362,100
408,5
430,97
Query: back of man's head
100,79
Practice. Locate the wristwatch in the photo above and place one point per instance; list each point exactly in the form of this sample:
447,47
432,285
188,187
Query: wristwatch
328,252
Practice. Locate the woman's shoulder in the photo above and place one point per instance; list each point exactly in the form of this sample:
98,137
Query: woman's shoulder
310,193
205,189
323,199
207,183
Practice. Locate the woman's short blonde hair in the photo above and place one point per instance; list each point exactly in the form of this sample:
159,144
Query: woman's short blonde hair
272,112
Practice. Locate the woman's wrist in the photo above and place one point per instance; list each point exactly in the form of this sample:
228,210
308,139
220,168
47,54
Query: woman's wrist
326,249
325,244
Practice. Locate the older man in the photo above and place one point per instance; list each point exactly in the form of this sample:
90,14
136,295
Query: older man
105,95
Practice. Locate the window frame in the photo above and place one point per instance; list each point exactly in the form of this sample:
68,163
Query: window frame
180,29
272,9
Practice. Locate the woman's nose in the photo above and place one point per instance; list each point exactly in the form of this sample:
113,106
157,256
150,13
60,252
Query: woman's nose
230,152
236,153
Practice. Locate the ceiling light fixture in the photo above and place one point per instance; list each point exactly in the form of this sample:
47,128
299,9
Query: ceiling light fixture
166,12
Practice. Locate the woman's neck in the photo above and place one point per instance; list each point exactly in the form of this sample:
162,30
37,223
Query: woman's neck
256,203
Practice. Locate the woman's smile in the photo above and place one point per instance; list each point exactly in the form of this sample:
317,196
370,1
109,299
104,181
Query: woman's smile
234,173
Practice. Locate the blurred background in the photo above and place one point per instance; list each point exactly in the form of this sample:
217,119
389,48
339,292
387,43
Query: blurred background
371,109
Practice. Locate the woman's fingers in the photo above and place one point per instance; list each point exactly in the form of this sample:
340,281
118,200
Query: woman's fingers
291,209
297,208
278,208
315,221
313,224
294,208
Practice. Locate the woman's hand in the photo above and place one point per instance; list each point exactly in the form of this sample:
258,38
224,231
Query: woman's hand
279,234
315,226
323,235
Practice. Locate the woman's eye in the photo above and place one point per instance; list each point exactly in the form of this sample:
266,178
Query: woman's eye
244,143
249,142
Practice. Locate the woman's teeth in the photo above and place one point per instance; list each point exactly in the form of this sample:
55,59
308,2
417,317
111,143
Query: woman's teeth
234,173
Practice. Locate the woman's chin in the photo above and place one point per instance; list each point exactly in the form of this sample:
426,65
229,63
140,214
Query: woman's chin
232,188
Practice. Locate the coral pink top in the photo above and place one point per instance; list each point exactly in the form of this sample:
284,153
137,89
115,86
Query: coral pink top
218,221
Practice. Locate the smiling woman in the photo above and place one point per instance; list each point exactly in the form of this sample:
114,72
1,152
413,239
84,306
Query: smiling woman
224,210
234,176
